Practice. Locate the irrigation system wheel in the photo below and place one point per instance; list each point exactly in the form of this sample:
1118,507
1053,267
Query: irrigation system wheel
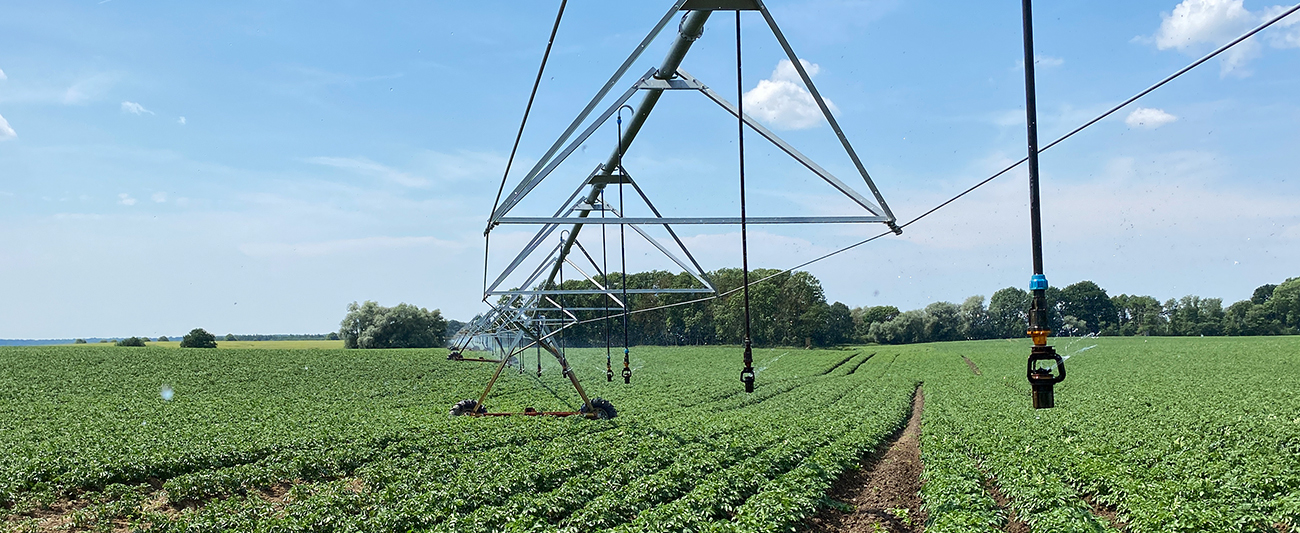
603,409
467,407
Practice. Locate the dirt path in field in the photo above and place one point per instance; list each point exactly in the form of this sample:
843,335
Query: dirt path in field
886,492
1014,524
1106,513
974,369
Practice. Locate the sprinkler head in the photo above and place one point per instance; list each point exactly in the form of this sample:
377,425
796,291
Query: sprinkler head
747,377
1041,378
627,375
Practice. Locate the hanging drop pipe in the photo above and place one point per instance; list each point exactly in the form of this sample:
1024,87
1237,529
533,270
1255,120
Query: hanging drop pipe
747,374
1041,380
692,27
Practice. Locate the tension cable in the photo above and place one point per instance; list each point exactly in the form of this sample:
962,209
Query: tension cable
518,136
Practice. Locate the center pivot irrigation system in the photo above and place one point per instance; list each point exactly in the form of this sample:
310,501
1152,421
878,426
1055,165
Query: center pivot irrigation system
534,316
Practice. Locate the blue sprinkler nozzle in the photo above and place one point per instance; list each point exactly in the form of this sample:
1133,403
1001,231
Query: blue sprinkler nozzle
1037,282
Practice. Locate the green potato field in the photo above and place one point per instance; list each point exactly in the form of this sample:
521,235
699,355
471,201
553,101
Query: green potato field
1159,434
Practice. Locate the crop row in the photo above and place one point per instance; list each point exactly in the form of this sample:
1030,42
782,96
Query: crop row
1166,436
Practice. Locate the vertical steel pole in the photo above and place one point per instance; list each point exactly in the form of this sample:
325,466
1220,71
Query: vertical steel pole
1040,380
1031,116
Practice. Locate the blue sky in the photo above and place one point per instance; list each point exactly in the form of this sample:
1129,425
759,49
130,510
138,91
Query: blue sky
255,166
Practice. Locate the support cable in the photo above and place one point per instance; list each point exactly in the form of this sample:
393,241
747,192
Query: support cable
550,42
747,373
999,173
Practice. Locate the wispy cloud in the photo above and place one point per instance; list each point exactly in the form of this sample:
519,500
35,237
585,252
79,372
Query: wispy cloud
1195,25
6,132
1149,118
125,199
181,121
2,75
159,197
367,167
132,107
782,102
88,89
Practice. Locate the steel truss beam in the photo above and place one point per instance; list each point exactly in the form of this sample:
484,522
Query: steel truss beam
529,311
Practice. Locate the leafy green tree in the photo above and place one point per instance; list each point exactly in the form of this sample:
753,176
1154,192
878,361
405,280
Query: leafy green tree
79,341
1262,294
906,328
864,317
1090,304
163,338
132,341
974,321
1009,312
332,336
1193,315
839,325
1234,318
369,325
199,338
786,310
1139,315
1072,326
942,322
230,337
453,327
1285,301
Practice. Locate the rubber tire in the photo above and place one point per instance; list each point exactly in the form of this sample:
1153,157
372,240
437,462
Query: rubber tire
467,407
604,409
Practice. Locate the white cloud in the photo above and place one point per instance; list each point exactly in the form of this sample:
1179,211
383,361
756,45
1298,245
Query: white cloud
181,121
1149,118
88,89
1283,38
125,199
2,75
1195,25
782,102
367,167
159,197
6,132
132,107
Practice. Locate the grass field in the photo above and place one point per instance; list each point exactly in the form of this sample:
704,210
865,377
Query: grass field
1169,434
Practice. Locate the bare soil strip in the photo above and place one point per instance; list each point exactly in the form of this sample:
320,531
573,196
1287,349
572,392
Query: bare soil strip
1013,525
974,369
886,492
1106,513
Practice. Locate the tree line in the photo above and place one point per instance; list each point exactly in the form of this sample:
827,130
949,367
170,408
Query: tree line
791,309
1085,308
